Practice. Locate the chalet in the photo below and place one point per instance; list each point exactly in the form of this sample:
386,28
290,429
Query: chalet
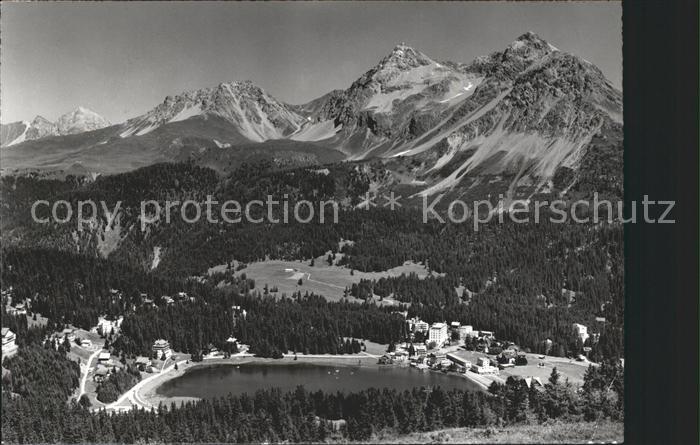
100,374
528,381
85,343
142,361
510,352
103,357
70,333
168,300
9,348
455,325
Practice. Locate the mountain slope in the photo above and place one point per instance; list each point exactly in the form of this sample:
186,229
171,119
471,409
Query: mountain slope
516,118
525,113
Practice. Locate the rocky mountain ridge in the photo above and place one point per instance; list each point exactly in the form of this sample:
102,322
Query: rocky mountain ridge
516,116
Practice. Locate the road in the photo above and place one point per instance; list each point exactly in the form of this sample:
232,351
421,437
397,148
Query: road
83,378
130,394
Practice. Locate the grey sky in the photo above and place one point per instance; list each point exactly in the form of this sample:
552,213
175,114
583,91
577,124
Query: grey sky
121,59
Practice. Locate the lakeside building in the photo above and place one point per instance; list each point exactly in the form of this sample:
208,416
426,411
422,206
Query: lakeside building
420,349
162,347
9,347
483,366
459,361
438,334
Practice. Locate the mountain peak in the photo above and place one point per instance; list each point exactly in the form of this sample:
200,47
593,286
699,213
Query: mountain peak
529,35
532,41
80,120
404,56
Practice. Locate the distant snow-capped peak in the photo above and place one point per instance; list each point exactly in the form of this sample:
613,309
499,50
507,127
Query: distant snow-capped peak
79,120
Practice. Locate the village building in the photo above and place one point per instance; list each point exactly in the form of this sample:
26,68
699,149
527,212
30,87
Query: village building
487,334
106,327
459,361
68,333
581,331
161,347
19,309
142,361
9,347
415,324
483,366
438,334
101,373
465,331
420,349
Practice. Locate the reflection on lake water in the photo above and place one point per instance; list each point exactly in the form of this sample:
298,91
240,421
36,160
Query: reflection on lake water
218,380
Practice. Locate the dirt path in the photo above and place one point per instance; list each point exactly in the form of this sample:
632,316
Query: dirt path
83,378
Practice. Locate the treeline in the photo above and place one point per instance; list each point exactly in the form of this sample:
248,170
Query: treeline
75,289
303,416
304,323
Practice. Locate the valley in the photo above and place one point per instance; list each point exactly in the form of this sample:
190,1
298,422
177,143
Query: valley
381,325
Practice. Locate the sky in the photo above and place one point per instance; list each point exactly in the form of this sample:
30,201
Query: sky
121,59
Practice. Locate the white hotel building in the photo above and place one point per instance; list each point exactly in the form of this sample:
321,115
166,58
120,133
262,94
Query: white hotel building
438,334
